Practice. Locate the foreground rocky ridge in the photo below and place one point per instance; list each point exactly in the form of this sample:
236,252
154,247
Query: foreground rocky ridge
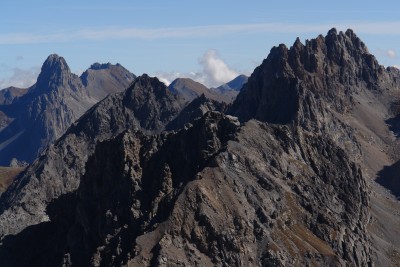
224,200
285,187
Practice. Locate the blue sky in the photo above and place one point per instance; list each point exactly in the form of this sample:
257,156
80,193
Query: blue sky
210,41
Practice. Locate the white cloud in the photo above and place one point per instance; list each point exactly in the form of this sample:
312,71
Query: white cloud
391,53
166,79
376,28
215,69
22,78
214,72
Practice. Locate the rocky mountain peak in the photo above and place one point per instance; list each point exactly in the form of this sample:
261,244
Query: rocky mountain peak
55,73
103,79
329,68
153,104
146,85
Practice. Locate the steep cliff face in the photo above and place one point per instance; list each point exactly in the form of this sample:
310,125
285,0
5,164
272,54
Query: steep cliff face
282,184
50,106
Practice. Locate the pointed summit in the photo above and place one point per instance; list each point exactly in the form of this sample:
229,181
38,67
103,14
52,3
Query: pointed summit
54,73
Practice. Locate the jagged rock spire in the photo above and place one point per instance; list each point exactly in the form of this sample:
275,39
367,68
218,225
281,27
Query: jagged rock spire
331,68
55,72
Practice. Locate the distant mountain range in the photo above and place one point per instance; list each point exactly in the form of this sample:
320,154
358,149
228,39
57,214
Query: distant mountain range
190,89
32,118
301,169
